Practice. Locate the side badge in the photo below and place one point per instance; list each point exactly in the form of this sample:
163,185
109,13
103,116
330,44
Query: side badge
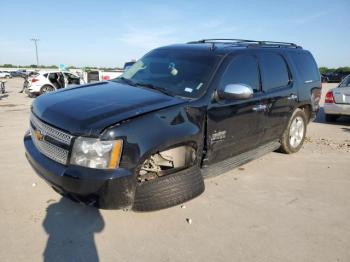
219,135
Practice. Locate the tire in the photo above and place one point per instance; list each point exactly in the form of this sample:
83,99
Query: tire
290,144
46,89
331,118
169,190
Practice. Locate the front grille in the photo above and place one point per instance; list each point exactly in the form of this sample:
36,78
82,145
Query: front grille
56,134
50,141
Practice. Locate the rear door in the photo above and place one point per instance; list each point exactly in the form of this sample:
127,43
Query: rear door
342,92
279,94
234,126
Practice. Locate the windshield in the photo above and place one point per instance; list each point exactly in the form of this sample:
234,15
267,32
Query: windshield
174,72
345,82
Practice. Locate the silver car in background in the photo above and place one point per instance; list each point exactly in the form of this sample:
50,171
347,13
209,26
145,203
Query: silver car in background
337,101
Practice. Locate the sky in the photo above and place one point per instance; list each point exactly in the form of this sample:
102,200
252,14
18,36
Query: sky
109,33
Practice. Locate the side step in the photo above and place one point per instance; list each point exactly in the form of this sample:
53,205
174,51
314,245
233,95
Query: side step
231,163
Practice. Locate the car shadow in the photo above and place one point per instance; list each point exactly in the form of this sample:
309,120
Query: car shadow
340,121
3,96
71,227
345,129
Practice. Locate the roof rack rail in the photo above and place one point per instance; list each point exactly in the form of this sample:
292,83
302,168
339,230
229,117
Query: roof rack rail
260,43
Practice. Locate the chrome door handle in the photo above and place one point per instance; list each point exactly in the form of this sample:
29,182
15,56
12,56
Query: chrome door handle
259,108
292,97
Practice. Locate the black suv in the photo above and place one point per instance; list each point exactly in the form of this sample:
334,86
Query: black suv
181,113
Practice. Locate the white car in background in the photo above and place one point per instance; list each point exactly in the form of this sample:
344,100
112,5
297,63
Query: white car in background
5,74
337,101
44,82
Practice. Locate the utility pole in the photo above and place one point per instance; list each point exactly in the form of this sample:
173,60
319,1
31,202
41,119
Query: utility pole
35,40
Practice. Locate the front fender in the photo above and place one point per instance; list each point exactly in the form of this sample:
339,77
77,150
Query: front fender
157,131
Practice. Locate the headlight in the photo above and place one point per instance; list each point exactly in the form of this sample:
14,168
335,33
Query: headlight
95,153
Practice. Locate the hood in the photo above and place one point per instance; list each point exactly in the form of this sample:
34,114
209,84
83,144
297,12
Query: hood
88,109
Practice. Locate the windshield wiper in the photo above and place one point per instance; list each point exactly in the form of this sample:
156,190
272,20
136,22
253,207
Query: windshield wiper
157,88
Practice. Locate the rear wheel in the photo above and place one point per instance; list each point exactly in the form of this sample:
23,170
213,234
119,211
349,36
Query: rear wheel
331,118
169,190
46,89
294,135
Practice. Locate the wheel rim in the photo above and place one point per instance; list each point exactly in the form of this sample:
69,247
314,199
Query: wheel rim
296,132
47,89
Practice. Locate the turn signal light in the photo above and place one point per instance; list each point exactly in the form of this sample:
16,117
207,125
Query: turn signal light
329,97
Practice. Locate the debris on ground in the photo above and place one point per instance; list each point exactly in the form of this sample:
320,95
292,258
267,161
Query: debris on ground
189,220
34,185
344,146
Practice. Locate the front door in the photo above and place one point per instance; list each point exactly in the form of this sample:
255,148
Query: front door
234,126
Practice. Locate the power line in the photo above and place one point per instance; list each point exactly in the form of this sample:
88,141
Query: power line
35,40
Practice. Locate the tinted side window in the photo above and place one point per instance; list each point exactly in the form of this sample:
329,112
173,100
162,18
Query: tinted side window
274,71
242,70
345,82
306,66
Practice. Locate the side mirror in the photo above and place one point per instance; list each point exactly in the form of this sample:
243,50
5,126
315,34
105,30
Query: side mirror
235,91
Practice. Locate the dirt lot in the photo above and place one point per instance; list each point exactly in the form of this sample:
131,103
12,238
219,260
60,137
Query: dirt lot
277,208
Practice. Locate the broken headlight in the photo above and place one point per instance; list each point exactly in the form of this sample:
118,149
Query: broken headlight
95,153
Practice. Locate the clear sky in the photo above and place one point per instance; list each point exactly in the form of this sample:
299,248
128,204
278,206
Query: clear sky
108,33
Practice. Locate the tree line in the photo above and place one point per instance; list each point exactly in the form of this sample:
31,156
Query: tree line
56,67
345,70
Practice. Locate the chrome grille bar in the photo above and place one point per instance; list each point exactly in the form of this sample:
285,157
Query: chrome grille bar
51,151
47,148
51,131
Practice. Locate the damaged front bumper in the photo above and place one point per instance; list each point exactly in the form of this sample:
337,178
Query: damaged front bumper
107,189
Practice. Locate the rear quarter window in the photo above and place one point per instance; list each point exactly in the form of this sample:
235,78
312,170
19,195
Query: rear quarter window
275,73
306,66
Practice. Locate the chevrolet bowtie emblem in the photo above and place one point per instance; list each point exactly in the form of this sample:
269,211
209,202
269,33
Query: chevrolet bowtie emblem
39,135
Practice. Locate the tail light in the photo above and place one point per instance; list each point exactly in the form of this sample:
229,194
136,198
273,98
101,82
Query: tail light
34,80
329,97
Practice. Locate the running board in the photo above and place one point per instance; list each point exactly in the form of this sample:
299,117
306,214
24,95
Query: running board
231,163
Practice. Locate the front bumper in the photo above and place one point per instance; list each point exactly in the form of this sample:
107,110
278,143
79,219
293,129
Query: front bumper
107,189
337,109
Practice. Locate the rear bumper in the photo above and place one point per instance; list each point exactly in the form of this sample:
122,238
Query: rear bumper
337,109
34,88
107,189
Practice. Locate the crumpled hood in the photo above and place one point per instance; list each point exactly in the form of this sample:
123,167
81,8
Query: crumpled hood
88,109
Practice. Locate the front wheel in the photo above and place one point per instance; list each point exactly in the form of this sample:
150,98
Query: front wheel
294,135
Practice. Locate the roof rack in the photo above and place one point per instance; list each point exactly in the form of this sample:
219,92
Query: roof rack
249,43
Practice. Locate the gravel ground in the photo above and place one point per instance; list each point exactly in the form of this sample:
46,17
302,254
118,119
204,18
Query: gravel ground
277,208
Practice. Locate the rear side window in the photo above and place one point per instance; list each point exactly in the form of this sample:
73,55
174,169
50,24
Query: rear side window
306,66
345,82
242,70
274,71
